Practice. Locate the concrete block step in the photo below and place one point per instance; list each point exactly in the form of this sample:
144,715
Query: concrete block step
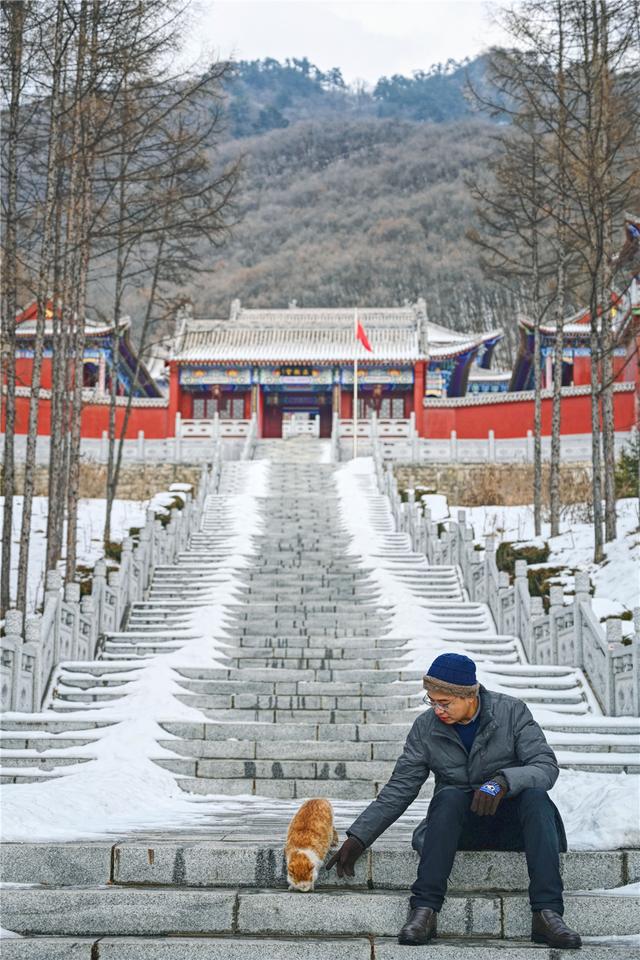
282,789
388,865
45,722
234,947
332,663
152,911
280,750
258,701
350,771
261,731
300,688
326,717
42,742
32,758
17,775
309,642
343,654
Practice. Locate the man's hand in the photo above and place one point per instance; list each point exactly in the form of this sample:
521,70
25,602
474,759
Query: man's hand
345,858
486,799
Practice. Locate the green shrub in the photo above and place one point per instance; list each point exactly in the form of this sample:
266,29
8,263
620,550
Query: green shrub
508,552
627,484
113,550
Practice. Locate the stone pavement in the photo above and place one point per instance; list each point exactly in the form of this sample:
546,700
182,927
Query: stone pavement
311,696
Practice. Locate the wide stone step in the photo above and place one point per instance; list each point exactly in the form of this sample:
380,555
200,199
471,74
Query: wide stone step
326,717
153,911
247,730
235,947
300,688
350,771
267,701
387,865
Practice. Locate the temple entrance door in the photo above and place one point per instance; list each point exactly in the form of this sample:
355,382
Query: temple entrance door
283,406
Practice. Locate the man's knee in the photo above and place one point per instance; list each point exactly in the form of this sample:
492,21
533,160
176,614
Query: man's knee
532,801
447,807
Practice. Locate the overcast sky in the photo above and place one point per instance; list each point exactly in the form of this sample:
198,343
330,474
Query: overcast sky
365,39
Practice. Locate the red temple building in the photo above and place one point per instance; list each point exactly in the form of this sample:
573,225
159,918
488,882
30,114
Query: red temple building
281,364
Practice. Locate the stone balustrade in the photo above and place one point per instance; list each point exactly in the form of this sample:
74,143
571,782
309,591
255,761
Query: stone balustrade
565,634
71,627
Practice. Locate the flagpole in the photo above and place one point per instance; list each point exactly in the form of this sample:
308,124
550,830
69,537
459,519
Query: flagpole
355,383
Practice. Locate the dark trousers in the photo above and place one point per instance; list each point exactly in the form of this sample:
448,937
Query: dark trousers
526,822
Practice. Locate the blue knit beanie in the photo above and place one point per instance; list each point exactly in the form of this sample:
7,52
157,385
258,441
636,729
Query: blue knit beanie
452,673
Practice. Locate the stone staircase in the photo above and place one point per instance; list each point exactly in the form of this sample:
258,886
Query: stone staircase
311,693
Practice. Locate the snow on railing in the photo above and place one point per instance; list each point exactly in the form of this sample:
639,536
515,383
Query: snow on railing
72,627
335,438
249,445
568,634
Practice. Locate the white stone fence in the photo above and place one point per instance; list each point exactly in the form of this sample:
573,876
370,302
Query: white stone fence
398,441
568,634
72,627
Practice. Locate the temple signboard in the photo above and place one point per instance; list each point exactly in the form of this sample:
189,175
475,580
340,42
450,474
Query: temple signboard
207,376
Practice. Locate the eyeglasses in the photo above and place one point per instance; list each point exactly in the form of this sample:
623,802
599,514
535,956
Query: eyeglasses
443,707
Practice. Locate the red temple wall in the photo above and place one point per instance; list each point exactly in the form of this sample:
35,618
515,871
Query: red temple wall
514,418
153,421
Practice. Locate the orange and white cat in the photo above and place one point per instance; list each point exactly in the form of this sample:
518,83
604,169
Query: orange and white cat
310,836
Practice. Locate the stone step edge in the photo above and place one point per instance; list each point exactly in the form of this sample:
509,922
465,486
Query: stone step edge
281,948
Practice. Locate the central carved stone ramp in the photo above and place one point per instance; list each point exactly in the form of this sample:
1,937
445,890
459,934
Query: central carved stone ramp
311,696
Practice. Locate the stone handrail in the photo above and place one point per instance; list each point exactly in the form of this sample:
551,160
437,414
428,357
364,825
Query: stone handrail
71,627
567,634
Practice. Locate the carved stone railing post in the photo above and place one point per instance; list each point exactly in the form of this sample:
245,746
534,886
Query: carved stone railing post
31,668
87,629
522,608
11,659
69,611
582,584
556,607
98,587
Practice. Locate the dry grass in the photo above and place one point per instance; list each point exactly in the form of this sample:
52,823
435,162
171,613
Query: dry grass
137,482
474,485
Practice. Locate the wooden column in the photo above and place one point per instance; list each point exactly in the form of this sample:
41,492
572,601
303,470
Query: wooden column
174,397
418,394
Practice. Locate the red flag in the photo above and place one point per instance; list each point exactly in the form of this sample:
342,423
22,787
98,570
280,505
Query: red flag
362,337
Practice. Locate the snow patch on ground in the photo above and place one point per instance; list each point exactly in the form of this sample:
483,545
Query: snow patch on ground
91,513
617,580
124,789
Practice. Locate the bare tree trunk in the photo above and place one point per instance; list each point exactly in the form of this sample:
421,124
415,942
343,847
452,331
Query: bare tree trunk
554,468
46,259
59,383
608,425
85,164
594,342
14,14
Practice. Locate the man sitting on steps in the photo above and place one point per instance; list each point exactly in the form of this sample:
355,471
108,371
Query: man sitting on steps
493,768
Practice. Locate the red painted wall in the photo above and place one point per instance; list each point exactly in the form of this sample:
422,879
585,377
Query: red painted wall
514,418
95,418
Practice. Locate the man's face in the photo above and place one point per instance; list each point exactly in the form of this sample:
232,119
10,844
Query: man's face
450,709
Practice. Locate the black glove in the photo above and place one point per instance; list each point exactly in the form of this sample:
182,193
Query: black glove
486,799
345,858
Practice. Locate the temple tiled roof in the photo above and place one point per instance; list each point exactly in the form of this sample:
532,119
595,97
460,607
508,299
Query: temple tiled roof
319,335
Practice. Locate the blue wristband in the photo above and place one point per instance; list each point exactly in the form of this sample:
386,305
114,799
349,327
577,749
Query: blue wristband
491,787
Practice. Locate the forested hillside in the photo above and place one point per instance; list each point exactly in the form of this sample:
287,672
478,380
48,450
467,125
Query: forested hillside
352,196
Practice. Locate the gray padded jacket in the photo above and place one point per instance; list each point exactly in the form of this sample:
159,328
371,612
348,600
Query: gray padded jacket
508,741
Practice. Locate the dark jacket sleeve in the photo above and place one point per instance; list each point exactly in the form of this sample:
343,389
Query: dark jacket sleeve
538,765
409,773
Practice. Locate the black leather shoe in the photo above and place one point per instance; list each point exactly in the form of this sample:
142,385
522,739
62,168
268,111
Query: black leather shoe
419,928
548,927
